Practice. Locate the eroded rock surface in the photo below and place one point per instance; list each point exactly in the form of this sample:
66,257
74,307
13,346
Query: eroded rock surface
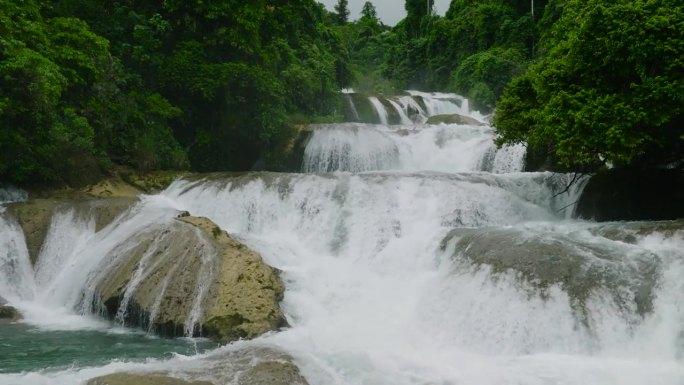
580,267
244,366
191,278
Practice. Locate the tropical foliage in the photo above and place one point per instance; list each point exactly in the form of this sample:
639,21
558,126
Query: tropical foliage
203,84
608,89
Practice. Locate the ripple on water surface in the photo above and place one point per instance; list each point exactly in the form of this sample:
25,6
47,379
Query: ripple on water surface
26,348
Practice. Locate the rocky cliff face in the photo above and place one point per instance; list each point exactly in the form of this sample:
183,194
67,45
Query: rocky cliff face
192,278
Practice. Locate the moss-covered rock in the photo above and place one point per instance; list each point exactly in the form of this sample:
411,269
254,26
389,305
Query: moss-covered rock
365,109
633,195
9,314
393,116
454,119
289,155
151,182
241,294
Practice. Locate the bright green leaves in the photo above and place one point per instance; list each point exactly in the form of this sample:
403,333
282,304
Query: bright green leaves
610,88
482,76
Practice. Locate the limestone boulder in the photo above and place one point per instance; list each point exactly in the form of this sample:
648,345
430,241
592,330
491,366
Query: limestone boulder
191,278
544,259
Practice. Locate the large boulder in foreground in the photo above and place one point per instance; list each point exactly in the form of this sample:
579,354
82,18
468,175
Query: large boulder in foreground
454,119
245,366
633,195
189,277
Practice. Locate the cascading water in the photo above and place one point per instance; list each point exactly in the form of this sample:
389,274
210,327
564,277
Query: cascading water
358,147
379,109
402,114
432,260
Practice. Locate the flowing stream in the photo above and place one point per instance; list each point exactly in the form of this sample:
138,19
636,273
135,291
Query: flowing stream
411,254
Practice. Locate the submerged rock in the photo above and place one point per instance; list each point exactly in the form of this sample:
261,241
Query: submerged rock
633,195
9,313
454,119
142,379
630,232
580,267
245,366
35,215
273,373
192,278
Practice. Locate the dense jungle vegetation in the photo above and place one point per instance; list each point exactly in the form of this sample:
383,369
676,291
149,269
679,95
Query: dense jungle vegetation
88,85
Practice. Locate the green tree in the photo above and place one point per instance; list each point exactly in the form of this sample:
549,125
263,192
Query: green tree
368,12
416,11
611,87
342,11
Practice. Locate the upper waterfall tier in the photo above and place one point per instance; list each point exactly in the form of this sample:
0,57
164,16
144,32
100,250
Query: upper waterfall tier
414,132
414,107
357,147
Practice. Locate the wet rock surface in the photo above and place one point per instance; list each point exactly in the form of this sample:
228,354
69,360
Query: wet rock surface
580,267
243,366
142,379
9,313
192,278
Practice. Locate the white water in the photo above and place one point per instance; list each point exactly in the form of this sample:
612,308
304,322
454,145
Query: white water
400,110
444,104
12,194
16,274
370,300
358,147
379,109
371,296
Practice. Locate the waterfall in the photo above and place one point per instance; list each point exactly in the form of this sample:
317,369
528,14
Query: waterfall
350,147
412,108
402,114
352,107
371,289
447,148
16,274
12,194
411,254
379,109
